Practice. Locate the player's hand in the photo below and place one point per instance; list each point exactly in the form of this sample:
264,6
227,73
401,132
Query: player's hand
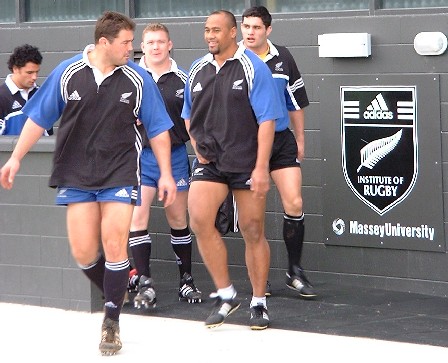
260,182
167,190
8,173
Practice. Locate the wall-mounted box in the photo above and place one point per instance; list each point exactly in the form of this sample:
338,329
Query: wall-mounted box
344,45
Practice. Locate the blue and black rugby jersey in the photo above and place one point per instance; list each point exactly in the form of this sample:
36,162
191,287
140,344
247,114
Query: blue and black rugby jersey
226,106
98,144
288,80
171,86
11,104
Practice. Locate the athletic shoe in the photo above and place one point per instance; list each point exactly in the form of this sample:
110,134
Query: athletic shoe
188,291
259,318
133,280
221,310
146,295
110,337
298,282
268,291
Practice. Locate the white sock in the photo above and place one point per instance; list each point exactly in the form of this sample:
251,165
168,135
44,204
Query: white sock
258,301
227,293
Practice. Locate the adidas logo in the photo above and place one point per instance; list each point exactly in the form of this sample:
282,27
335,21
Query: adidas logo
182,183
124,97
74,96
16,105
237,84
180,93
278,67
122,193
197,88
249,182
378,110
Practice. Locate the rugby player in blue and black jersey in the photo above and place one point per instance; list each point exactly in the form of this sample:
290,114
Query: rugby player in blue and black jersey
288,148
230,109
99,95
170,79
20,85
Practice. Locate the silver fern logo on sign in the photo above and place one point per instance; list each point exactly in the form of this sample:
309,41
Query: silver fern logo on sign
379,144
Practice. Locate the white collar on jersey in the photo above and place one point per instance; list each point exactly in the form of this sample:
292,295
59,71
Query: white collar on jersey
172,69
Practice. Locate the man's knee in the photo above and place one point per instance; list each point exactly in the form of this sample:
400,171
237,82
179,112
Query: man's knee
252,230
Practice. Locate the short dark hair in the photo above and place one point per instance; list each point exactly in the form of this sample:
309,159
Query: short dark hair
230,17
110,24
24,54
258,12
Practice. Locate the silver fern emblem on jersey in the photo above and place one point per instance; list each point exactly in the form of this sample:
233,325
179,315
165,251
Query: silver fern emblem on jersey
278,67
237,85
376,150
124,97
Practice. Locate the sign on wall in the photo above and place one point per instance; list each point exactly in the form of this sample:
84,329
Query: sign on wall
379,144
382,162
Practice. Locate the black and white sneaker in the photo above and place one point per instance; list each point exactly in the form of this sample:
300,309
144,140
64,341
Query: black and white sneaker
298,282
188,291
221,310
259,318
146,296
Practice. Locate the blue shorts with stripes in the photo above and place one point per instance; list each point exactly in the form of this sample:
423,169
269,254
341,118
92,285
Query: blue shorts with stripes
128,195
180,166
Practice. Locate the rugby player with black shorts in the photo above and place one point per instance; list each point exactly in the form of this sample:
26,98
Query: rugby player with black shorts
288,148
170,79
230,109
99,95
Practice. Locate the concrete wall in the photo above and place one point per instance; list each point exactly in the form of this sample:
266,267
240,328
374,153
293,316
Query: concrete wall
34,256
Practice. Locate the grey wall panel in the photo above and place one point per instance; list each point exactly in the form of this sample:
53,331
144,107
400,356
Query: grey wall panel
411,25
55,252
312,172
312,200
313,148
444,115
75,285
290,33
11,284
41,281
20,250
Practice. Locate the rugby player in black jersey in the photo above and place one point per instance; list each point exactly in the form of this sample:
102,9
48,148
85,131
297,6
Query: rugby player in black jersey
99,95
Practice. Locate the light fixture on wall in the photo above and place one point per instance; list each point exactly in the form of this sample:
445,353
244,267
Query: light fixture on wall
344,45
430,43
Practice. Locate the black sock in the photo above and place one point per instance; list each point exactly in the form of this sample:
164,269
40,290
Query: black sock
293,232
95,272
181,243
140,244
115,282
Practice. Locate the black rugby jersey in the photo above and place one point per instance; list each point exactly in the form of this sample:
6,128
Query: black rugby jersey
98,145
171,86
11,104
225,108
